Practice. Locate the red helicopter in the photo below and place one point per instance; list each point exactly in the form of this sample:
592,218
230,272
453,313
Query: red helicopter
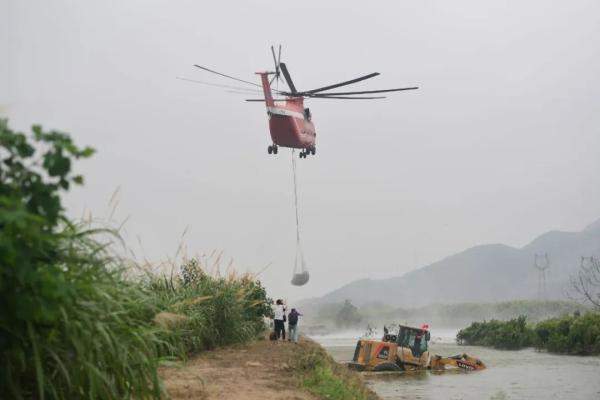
290,123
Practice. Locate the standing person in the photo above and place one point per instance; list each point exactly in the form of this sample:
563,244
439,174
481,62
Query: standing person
284,319
293,325
278,319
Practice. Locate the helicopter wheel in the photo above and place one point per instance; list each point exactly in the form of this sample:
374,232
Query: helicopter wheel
313,151
270,149
275,149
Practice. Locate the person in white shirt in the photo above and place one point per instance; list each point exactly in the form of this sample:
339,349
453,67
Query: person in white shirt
279,319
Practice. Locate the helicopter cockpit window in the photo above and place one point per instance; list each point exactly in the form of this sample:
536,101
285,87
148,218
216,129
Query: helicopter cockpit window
307,114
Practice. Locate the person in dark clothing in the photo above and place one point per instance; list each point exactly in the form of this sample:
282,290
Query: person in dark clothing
293,325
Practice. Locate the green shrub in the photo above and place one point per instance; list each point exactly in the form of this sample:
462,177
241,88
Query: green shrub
512,334
218,311
568,334
70,327
347,316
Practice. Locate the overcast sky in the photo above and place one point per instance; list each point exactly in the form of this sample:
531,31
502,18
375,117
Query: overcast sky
501,143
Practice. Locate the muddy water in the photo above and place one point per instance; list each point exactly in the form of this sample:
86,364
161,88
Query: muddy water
524,374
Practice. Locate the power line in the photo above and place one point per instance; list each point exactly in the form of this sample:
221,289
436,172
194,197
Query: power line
541,263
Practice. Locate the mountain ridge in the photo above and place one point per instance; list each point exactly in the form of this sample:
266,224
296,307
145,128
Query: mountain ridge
486,272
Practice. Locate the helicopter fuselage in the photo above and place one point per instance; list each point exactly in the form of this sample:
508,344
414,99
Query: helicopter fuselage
290,124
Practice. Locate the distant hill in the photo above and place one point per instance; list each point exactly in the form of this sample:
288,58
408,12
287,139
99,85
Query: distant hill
488,273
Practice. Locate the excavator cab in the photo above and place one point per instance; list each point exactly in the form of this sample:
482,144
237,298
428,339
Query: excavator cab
414,339
406,350
413,352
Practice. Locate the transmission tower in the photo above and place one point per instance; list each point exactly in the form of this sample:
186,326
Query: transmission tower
541,263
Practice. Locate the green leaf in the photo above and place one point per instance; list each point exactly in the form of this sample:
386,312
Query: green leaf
87,152
39,371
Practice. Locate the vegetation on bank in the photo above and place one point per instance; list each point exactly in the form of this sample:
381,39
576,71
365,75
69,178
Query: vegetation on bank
318,373
72,324
347,315
512,334
569,334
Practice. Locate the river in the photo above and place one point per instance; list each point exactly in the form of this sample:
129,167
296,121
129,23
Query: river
524,374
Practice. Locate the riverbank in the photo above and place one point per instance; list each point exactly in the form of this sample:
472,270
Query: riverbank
264,370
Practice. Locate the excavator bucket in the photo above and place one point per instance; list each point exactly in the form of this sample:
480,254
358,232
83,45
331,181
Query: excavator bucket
462,361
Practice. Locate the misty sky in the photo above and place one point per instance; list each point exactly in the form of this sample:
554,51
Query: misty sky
501,143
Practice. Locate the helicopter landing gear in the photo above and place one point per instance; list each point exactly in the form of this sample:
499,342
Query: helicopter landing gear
307,151
272,149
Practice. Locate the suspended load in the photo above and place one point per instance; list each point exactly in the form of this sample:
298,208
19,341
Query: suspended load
300,279
300,274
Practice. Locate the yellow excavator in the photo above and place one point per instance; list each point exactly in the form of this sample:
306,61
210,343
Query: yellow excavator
406,351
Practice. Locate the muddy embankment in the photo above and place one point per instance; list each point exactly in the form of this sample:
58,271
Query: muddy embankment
264,370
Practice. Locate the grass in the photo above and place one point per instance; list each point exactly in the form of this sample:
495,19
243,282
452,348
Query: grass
109,343
74,322
318,373
324,383
209,310
99,342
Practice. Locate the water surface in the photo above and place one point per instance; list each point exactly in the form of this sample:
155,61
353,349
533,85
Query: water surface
524,374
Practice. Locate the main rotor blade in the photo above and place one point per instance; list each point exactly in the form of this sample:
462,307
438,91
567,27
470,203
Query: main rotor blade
288,78
265,99
362,92
275,61
279,56
329,97
362,78
243,92
220,85
347,97
227,76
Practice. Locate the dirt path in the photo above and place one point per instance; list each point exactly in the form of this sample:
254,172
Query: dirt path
258,371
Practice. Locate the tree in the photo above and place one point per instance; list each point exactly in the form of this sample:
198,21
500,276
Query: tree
36,238
586,281
348,315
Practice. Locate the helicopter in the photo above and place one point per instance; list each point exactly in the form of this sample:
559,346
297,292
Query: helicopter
290,123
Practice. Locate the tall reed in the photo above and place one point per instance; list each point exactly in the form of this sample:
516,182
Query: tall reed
74,322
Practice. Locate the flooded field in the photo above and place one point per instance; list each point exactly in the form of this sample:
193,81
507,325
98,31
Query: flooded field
524,374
